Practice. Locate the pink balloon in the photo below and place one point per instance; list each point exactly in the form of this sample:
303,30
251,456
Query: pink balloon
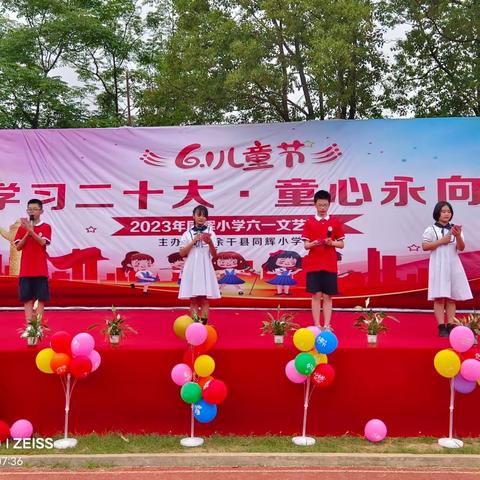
461,338
82,345
470,370
96,359
314,329
181,374
375,430
292,373
21,429
196,333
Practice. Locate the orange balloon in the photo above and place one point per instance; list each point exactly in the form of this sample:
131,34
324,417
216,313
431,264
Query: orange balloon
210,341
59,363
203,380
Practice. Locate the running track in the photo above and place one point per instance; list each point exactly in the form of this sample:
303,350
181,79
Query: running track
243,473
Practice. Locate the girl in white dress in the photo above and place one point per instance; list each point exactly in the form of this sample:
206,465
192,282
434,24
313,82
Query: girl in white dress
447,281
199,282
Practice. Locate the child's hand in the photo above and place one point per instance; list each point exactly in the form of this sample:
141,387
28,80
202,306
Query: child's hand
197,238
456,230
328,241
446,239
207,238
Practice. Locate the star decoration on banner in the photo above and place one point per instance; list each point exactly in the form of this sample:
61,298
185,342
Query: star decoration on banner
413,248
91,229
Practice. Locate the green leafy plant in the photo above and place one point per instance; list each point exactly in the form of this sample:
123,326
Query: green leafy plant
281,324
115,326
372,321
472,321
34,328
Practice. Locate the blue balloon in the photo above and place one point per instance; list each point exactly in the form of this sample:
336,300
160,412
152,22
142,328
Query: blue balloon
326,342
204,412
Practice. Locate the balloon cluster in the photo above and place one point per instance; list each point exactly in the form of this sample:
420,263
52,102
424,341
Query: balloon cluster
314,346
460,362
20,429
69,355
194,375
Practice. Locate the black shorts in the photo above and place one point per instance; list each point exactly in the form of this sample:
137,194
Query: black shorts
323,281
33,288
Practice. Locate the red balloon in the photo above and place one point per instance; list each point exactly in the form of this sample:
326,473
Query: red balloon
323,375
210,341
4,431
80,367
60,342
60,363
214,392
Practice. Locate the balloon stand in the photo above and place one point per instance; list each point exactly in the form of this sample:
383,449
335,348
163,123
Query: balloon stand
66,442
303,440
451,442
192,440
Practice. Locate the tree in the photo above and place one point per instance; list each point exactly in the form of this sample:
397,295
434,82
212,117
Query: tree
106,36
438,64
30,96
265,60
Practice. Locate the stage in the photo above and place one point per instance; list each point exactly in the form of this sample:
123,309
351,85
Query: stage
132,390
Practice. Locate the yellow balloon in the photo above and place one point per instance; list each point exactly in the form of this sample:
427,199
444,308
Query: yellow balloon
304,339
43,360
204,365
319,357
447,363
180,325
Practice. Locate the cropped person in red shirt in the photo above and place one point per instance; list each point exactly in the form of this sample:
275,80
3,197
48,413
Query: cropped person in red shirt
322,235
32,239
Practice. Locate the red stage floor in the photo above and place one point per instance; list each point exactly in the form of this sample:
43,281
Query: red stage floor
132,390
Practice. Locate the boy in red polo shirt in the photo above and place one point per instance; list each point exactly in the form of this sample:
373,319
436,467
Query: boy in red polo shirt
32,239
322,235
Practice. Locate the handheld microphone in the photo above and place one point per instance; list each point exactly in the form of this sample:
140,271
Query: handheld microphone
329,232
32,219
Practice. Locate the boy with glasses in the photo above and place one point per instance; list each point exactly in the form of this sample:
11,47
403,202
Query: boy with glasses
322,235
32,239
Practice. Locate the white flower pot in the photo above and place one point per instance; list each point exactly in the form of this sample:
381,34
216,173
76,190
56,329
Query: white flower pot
114,339
278,339
372,338
32,341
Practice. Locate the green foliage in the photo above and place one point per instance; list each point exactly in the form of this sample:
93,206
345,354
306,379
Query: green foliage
115,326
437,68
281,324
217,61
372,321
35,327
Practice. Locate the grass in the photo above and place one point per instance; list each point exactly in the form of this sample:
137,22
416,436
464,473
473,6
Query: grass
116,443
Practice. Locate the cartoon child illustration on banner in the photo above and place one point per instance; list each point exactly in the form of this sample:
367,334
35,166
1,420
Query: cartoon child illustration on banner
176,262
141,264
226,265
284,264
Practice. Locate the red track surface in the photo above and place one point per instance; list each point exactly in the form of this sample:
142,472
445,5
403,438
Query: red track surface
246,474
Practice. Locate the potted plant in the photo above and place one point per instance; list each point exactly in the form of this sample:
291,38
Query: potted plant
278,326
34,330
372,322
115,328
472,321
